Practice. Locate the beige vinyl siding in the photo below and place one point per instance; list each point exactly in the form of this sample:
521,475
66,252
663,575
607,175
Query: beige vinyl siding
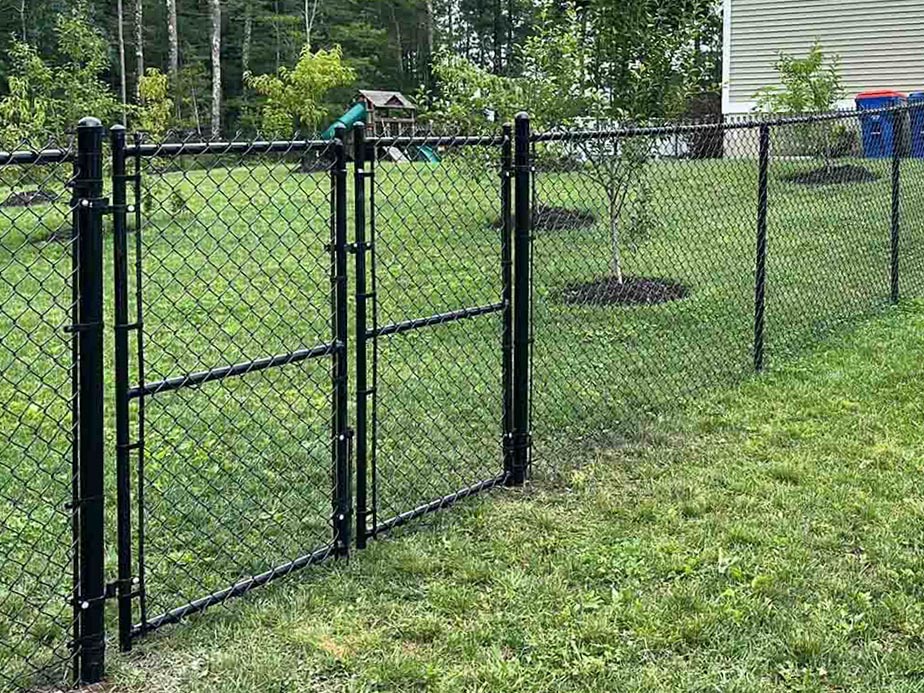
881,42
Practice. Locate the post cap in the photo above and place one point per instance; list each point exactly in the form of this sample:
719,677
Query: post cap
90,122
522,115
118,127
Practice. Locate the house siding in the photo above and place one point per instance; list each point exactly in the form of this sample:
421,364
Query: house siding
880,42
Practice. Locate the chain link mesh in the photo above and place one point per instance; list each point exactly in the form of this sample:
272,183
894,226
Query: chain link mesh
436,269
235,269
37,416
645,261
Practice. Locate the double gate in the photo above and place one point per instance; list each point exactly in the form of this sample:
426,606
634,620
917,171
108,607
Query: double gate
279,391
234,437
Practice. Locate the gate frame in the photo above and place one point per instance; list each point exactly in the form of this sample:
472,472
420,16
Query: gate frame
514,397
129,586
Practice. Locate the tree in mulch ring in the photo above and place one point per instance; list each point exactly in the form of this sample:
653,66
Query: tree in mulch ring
630,291
29,198
833,175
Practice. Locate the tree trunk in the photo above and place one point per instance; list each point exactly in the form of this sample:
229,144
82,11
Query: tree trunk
428,66
22,18
173,40
248,38
139,45
615,257
400,42
123,79
215,6
309,19
498,52
276,29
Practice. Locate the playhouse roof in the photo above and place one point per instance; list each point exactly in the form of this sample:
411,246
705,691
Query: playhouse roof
387,99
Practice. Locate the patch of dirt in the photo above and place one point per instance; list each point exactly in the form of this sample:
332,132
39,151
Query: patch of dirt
549,218
63,235
633,291
29,198
833,175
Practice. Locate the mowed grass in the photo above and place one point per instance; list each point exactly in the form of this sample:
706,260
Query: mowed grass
769,540
237,473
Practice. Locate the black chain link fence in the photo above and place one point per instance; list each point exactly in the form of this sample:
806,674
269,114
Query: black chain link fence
636,267
38,264
670,259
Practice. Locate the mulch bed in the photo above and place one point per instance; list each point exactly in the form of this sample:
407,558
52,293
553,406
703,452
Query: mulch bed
29,198
549,218
633,291
833,175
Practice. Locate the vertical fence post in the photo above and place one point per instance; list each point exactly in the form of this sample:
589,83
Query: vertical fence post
122,326
522,297
507,296
898,121
760,284
88,192
341,448
362,388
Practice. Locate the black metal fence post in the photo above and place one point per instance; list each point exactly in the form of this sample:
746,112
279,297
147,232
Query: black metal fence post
760,284
507,297
123,444
522,298
342,482
88,193
898,121
362,388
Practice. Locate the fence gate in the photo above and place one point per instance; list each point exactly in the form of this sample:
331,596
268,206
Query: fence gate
231,348
433,323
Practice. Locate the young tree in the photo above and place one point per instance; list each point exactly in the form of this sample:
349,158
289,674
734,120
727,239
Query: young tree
48,99
155,107
294,98
215,7
616,164
808,85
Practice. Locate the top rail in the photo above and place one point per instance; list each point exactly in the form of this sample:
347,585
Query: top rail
44,156
244,148
438,141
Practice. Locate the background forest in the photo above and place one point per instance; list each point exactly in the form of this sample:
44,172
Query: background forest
229,66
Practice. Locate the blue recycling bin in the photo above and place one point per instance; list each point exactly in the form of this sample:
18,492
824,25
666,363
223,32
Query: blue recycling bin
916,116
879,139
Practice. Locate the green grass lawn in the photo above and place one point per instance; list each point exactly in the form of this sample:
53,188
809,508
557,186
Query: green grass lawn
234,267
769,540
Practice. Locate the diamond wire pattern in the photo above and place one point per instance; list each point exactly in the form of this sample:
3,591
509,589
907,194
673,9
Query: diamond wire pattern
600,368
37,305
690,217
829,243
237,472
439,399
911,245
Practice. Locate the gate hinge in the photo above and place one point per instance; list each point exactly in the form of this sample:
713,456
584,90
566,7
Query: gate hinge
100,203
111,591
355,248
